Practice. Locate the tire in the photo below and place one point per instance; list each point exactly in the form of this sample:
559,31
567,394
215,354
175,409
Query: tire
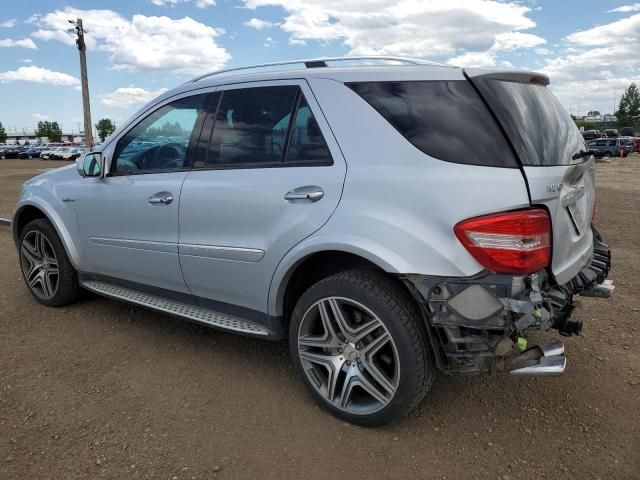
607,155
393,360
38,268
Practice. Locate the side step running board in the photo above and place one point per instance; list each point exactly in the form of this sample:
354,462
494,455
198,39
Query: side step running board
178,309
544,360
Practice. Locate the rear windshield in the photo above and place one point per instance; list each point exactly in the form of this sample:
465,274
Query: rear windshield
447,120
541,130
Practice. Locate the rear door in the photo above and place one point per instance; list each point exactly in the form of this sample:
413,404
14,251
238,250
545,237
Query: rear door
559,173
268,173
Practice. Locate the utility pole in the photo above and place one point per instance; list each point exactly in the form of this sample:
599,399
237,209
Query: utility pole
82,48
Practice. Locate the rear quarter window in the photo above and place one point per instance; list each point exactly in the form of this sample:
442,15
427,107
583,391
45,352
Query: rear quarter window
446,120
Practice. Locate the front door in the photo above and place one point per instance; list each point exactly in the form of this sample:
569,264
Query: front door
268,176
128,220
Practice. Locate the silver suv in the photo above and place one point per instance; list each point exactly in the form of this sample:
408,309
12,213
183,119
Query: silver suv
389,217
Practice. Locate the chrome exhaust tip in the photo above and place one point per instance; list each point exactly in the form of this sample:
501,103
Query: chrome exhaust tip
603,290
546,360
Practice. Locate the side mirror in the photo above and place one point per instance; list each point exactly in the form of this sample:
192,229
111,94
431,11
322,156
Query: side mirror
90,165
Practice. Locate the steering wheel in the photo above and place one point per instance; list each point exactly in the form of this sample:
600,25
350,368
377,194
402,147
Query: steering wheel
168,155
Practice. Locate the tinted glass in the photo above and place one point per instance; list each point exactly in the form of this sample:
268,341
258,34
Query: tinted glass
307,144
160,141
541,130
251,126
445,119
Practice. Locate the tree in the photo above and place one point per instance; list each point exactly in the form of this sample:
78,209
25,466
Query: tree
629,108
105,127
55,134
51,130
3,134
43,130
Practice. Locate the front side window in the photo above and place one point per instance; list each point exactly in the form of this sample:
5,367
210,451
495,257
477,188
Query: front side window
159,143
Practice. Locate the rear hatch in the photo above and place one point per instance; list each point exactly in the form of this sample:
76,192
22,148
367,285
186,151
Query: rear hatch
551,151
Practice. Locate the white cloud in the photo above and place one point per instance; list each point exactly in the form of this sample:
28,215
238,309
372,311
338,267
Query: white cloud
26,60
259,24
167,3
598,64
125,97
9,23
141,43
24,43
38,75
634,7
504,42
405,27
173,3
40,116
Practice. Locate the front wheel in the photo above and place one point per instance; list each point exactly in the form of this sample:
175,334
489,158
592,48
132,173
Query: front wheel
359,342
46,268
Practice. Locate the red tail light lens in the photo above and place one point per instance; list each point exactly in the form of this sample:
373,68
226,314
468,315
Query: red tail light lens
516,242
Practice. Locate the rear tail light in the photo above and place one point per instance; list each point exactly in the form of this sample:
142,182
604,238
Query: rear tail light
517,242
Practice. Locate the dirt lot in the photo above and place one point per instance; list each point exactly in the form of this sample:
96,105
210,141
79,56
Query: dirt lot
104,390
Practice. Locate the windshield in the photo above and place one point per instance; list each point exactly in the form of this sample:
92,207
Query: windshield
541,130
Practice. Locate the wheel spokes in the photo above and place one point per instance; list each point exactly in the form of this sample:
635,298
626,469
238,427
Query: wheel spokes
354,349
333,365
40,265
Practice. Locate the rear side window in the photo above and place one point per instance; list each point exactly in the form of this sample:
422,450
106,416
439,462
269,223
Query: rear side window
251,126
445,119
307,145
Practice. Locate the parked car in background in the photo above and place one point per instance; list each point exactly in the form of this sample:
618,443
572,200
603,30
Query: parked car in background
12,151
31,152
610,133
607,147
628,144
52,154
70,153
627,132
637,142
591,134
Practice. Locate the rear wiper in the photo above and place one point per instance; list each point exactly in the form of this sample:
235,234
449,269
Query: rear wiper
582,154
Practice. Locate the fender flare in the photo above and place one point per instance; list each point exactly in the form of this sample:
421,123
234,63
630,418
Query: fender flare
50,214
388,260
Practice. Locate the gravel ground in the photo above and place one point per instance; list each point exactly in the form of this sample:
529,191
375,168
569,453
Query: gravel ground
105,390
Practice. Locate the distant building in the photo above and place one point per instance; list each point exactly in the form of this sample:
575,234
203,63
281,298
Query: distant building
609,119
23,138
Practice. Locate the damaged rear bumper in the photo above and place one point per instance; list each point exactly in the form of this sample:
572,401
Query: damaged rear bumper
477,324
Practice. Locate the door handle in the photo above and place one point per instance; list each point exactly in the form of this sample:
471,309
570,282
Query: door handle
161,198
308,194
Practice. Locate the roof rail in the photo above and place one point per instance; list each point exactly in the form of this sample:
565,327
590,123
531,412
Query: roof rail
321,62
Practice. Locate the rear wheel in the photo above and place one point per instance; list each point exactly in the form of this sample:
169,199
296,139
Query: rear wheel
46,268
359,343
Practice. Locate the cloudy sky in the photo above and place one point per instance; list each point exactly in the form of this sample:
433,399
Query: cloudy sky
138,48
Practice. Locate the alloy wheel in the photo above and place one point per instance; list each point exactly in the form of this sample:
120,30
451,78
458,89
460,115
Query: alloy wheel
39,264
348,355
